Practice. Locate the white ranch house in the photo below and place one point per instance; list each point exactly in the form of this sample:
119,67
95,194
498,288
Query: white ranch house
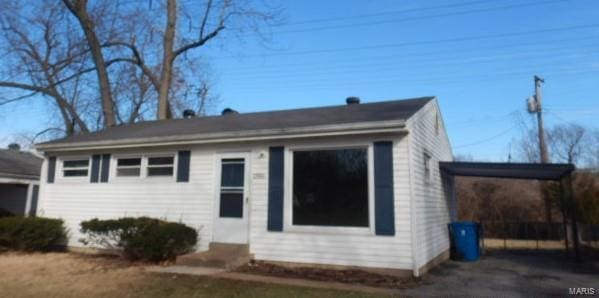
352,185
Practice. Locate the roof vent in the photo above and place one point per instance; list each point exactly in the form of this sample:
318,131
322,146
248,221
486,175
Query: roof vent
188,114
14,146
352,100
228,111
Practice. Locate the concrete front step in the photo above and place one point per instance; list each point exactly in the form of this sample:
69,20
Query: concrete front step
220,255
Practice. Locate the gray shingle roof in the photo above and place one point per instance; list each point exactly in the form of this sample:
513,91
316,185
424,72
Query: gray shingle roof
296,118
19,164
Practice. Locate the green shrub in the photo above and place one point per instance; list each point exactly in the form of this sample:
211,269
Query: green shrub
142,238
5,213
31,233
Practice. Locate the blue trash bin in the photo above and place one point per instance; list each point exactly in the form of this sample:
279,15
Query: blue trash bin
466,239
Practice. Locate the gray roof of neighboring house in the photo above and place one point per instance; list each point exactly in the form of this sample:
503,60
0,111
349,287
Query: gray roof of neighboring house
239,123
19,164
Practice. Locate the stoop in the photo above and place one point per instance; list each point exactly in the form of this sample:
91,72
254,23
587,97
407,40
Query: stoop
220,255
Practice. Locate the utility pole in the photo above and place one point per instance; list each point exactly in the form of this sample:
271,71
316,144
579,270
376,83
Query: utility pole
535,106
539,110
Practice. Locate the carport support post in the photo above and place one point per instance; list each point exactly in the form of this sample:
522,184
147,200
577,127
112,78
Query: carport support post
28,199
564,218
574,220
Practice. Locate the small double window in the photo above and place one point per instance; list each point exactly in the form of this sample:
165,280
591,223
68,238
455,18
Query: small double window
150,166
161,166
75,167
128,167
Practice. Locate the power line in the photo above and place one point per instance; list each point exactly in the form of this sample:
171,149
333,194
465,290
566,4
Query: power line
487,139
362,68
486,120
425,80
353,17
520,46
423,42
418,18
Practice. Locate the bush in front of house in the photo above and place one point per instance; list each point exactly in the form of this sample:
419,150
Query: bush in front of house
5,213
141,238
31,233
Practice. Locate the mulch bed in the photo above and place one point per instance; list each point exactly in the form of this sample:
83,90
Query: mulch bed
351,276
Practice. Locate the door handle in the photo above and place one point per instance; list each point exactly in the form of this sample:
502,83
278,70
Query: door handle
247,199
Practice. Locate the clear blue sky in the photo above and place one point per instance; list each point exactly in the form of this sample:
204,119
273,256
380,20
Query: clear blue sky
477,57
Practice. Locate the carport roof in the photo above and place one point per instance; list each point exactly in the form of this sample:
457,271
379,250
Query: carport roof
535,171
19,165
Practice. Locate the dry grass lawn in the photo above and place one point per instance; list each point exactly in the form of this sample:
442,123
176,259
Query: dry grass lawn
77,275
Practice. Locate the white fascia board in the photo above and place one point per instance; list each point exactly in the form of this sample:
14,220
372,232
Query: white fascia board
396,126
14,180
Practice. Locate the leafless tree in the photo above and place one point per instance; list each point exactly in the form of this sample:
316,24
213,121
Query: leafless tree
592,158
204,20
567,142
109,62
79,8
40,57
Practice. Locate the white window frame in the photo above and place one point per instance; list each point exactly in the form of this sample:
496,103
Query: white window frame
72,158
115,163
288,225
145,164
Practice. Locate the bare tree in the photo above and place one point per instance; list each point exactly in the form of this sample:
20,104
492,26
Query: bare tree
567,142
203,26
42,60
592,158
79,8
109,62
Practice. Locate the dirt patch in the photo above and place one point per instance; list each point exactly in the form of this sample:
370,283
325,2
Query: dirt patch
351,276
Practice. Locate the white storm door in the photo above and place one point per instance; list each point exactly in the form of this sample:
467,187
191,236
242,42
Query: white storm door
231,214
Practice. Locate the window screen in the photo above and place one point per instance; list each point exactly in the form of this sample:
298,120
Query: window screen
75,168
330,188
161,166
128,167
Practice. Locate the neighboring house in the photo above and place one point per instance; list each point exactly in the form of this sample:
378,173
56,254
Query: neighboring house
19,181
354,185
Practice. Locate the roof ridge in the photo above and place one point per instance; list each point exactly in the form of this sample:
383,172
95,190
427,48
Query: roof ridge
422,98
377,111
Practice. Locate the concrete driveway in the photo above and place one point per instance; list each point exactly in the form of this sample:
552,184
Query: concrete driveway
510,274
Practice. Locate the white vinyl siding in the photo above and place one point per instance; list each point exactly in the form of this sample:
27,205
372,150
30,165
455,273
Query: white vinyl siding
431,197
190,203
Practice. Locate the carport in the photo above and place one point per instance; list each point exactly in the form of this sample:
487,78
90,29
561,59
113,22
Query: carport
532,171
19,181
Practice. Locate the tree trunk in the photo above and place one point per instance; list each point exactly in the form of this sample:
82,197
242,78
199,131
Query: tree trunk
79,10
168,58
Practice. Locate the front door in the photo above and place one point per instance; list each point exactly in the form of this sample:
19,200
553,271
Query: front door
231,214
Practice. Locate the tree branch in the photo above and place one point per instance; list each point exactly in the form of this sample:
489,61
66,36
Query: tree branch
200,42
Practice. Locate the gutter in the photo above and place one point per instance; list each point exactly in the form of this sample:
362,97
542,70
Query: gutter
396,126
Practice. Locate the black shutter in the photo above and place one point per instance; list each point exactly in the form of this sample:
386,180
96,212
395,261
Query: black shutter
51,169
95,174
105,168
383,188
275,189
183,166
